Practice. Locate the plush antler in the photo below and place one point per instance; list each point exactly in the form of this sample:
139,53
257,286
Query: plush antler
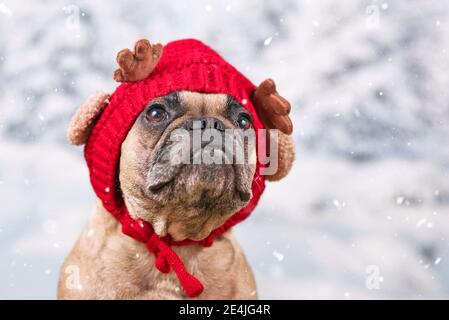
137,65
272,108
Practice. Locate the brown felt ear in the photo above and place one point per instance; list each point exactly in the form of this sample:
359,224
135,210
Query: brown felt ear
272,108
85,117
138,64
286,156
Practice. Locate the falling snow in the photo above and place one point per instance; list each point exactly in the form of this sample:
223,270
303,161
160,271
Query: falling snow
267,41
279,256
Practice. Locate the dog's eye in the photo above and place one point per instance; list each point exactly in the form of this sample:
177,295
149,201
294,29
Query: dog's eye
156,113
244,121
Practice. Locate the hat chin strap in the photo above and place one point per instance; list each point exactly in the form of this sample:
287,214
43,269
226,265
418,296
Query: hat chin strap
165,258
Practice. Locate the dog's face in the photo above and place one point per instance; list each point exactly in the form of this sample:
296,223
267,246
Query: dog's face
179,198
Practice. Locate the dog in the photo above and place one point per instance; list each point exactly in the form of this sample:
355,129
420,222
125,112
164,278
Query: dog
180,201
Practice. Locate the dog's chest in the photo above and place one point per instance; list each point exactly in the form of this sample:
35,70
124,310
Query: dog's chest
213,266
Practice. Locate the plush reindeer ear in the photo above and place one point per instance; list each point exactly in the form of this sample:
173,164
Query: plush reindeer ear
272,108
137,65
85,117
274,111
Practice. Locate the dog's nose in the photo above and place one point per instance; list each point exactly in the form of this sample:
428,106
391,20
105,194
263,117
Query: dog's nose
205,123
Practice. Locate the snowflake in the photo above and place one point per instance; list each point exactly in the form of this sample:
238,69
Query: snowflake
267,41
279,256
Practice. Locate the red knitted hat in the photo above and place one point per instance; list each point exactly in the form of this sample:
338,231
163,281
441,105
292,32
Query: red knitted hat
184,65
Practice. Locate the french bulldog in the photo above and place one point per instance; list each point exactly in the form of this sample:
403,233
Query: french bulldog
180,200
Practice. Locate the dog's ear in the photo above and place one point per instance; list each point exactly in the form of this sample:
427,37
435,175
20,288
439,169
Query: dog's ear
274,112
85,117
137,65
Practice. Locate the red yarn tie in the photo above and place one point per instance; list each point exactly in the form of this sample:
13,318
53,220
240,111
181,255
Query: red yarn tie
166,258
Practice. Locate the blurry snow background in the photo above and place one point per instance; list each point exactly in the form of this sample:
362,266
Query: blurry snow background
365,212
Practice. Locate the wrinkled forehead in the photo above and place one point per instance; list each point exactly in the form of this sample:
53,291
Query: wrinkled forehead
199,103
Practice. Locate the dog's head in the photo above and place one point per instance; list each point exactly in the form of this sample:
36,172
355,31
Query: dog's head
188,161
164,176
